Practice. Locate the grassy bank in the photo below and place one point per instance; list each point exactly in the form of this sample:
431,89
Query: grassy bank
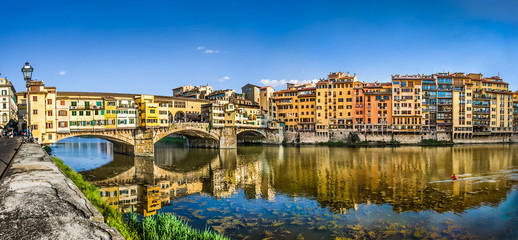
163,226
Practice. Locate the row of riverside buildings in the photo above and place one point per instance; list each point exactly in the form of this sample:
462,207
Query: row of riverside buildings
459,104
55,112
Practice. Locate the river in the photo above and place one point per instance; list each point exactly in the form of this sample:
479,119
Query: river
313,192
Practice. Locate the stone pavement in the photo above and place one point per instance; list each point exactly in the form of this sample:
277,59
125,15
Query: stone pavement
8,147
37,201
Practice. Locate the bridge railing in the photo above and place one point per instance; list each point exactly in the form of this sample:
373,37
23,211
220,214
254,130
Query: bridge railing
204,126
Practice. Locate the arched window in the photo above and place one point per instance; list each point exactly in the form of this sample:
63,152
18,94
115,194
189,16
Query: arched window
4,118
4,92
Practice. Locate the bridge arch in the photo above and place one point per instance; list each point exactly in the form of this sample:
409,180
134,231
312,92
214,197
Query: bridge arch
250,136
122,140
198,135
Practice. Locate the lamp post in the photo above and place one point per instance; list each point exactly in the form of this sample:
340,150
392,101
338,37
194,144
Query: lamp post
27,76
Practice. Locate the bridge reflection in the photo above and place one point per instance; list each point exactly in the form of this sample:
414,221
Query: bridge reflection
407,178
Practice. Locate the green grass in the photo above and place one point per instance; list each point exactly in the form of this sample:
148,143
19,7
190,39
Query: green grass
168,226
162,226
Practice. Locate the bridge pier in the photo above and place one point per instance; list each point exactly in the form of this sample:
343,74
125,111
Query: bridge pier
123,148
228,137
144,144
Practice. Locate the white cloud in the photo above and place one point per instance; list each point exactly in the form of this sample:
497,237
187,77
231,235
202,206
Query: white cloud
282,82
225,78
62,72
207,51
211,51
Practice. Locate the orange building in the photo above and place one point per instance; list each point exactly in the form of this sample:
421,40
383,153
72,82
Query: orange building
373,107
407,98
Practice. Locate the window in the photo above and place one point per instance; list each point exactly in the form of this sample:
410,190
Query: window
151,110
62,102
99,103
81,113
49,125
34,98
74,113
49,101
73,103
49,113
4,92
35,111
87,113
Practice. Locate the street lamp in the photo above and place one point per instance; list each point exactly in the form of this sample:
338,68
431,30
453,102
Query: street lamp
27,72
27,76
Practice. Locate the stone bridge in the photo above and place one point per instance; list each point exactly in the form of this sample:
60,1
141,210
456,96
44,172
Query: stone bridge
140,141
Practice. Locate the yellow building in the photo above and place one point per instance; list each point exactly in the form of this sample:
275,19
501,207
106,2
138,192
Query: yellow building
38,112
334,101
265,95
285,110
501,104
148,111
185,109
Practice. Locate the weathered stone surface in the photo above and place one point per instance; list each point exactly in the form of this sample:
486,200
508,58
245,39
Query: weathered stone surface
8,148
37,201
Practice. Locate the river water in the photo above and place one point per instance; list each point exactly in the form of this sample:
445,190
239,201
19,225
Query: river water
311,192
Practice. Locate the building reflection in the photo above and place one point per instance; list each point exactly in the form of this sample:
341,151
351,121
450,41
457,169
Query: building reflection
407,178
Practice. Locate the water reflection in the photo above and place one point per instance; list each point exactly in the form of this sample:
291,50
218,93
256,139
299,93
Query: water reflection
325,192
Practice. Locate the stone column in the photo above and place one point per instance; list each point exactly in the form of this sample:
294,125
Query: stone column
144,145
228,138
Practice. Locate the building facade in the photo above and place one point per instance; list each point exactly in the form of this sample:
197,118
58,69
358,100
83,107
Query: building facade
8,102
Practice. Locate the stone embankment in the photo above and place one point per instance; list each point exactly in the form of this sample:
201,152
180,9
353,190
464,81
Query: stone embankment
37,201
404,138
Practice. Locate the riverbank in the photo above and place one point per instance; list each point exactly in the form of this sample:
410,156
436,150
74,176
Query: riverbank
334,137
163,226
38,201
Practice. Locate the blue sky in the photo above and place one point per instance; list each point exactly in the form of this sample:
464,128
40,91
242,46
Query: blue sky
153,46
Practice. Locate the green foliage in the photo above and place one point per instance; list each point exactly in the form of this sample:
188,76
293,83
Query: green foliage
435,142
162,226
167,226
353,138
48,150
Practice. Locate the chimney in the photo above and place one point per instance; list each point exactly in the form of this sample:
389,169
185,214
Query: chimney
348,74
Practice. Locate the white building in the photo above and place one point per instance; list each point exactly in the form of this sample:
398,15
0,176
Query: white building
8,107
127,113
